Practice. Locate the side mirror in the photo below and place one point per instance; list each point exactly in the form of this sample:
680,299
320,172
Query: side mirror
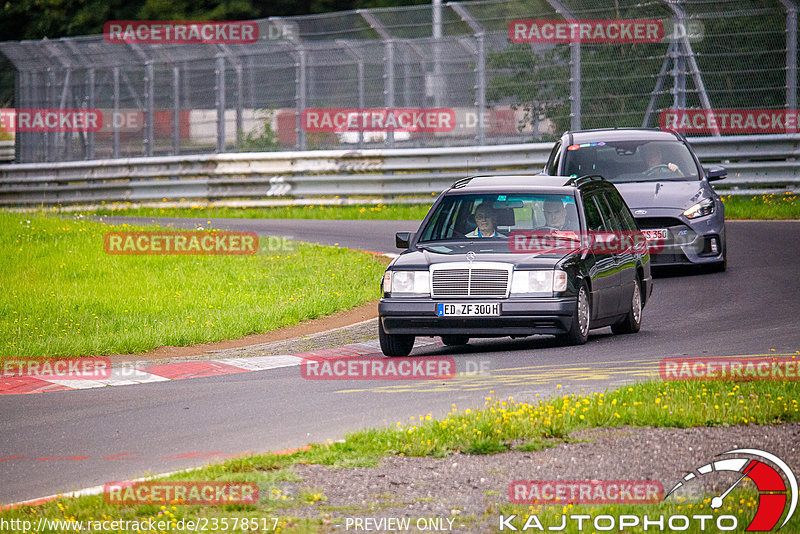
402,239
716,172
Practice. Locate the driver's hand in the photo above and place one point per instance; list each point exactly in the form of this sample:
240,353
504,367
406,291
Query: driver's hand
672,167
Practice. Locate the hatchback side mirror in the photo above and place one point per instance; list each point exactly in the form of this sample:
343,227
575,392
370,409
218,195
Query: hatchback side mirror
402,239
716,172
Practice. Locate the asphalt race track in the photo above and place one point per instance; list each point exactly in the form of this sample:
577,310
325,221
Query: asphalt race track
62,441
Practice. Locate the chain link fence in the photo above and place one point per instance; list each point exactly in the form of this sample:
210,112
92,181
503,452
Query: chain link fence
167,99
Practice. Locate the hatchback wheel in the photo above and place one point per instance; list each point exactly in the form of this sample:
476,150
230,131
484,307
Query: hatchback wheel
632,322
394,344
579,330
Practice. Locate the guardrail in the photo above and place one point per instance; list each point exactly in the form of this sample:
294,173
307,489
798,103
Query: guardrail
752,161
6,150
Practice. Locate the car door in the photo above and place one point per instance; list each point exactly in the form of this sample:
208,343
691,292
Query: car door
626,256
629,259
602,270
615,260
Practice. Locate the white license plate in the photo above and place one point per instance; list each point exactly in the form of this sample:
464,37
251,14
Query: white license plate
469,309
655,235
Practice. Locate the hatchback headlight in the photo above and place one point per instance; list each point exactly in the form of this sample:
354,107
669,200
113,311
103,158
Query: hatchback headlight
701,209
407,283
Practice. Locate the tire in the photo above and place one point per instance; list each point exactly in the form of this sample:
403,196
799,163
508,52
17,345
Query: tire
632,322
394,344
455,340
579,329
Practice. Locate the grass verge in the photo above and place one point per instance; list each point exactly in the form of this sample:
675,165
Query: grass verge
63,295
498,427
767,207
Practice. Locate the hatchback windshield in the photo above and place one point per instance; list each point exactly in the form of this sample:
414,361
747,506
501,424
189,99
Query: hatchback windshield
495,216
631,161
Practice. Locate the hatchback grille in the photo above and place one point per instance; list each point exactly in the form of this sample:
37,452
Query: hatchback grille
470,282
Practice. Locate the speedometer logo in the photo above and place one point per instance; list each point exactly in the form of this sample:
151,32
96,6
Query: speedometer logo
773,494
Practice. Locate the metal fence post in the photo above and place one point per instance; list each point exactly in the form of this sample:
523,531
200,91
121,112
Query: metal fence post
791,53
389,85
574,70
480,68
149,98
115,125
300,94
388,73
220,92
176,109
239,104
358,55
90,134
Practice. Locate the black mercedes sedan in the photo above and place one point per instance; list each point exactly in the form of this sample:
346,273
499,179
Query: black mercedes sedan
512,256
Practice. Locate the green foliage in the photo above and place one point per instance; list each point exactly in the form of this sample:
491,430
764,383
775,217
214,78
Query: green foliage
262,138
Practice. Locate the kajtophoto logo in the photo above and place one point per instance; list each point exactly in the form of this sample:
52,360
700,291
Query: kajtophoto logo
768,479
774,481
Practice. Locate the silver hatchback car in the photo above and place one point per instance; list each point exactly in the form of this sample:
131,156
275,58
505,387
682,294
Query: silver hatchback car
663,183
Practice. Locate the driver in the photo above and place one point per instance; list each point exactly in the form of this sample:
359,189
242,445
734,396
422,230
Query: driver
555,214
655,160
486,219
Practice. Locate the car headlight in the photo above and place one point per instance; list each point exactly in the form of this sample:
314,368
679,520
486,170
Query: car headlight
702,208
528,282
407,283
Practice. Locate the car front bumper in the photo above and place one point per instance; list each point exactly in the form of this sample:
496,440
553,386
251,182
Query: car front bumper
689,240
518,317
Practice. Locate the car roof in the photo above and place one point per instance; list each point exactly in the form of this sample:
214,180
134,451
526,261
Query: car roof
529,182
541,183
621,134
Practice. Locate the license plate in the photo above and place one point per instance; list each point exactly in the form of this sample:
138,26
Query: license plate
656,235
471,309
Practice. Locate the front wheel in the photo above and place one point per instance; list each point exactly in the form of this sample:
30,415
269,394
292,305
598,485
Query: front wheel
394,344
632,322
579,329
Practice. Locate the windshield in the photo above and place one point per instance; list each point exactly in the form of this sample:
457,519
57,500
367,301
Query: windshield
631,161
492,217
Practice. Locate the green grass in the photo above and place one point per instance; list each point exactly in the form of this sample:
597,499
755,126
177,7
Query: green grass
496,428
770,207
64,296
407,212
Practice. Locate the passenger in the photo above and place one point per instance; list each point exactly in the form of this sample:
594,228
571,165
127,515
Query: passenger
555,214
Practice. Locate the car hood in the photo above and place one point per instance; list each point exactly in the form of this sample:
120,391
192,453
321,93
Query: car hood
661,194
422,259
